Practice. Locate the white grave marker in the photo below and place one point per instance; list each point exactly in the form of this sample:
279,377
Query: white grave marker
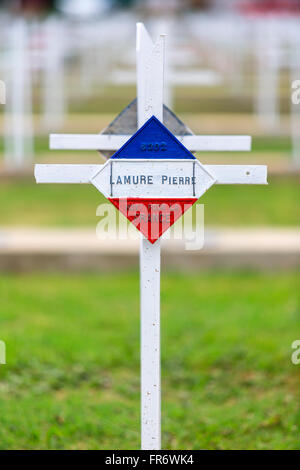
53,74
18,141
156,170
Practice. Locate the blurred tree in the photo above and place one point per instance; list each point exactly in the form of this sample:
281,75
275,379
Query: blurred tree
31,6
174,5
123,3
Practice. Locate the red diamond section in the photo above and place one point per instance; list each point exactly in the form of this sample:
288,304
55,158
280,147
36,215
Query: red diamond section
152,217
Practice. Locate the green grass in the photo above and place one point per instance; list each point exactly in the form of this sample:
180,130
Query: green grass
26,203
72,374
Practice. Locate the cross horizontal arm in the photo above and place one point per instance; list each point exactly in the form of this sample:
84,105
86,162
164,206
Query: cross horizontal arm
216,143
238,174
208,143
80,174
224,174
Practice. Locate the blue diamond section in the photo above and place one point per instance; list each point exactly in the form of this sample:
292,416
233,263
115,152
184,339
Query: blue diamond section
153,141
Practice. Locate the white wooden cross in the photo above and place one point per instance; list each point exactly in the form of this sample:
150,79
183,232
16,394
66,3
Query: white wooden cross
150,66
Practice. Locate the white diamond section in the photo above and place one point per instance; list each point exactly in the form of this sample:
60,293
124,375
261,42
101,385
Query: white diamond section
153,178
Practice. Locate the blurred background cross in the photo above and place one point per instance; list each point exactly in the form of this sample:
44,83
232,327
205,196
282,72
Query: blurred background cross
150,86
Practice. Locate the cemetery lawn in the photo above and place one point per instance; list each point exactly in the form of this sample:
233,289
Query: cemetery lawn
24,203
72,375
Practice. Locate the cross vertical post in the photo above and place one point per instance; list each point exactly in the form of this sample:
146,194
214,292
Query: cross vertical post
150,65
